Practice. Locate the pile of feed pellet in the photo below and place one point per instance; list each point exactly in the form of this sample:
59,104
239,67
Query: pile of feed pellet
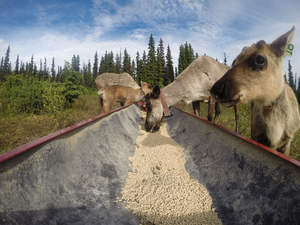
159,190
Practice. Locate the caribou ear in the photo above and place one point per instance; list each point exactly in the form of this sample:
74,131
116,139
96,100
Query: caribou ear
279,46
156,91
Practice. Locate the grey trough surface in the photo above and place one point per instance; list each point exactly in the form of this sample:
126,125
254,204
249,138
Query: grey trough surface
247,184
74,178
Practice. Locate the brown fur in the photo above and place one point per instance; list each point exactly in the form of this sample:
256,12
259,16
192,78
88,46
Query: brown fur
257,76
109,95
153,117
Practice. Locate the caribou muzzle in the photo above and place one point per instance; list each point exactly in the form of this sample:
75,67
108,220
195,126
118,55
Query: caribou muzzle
224,92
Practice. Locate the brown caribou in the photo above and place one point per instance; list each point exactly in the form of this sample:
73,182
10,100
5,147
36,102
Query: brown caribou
109,95
257,76
108,79
191,86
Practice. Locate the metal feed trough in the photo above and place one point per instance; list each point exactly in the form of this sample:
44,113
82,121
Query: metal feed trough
73,176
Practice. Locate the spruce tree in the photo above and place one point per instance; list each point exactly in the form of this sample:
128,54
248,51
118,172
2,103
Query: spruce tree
22,68
159,78
31,65
40,71
58,75
169,68
139,64
6,65
118,64
17,65
188,51
95,66
34,69
144,67
151,68
295,82
182,59
151,44
77,63
89,78
45,72
151,77
126,63
133,69
163,62
53,73
110,63
191,54
102,68
2,64
298,91
290,76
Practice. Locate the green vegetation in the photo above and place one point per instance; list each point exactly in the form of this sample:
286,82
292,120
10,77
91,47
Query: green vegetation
21,128
21,94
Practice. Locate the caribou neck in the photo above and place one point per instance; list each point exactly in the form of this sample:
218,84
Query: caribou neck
275,102
172,94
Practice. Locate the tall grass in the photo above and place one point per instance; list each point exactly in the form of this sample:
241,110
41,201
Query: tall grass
19,129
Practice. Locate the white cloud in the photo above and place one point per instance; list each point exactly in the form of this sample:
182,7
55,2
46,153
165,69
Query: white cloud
211,27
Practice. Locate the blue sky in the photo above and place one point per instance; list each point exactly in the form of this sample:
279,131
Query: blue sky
61,29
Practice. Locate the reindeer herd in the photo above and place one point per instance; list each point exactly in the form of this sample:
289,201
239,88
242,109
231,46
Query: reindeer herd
256,75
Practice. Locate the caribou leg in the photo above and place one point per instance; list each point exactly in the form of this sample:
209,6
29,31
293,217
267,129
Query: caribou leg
211,109
217,111
100,104
196,107
236,111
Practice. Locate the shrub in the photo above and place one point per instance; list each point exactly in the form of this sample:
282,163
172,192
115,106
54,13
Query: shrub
20,94
72,92
53,98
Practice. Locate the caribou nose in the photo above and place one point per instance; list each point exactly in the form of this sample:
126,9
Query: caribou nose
217,90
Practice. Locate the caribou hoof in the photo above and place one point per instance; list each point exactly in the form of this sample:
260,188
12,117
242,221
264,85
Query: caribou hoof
171,114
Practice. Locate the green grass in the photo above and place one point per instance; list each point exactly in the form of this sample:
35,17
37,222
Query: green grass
20,129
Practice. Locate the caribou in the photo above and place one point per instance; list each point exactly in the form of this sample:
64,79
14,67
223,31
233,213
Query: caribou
108,79
257,76
109,95
191,86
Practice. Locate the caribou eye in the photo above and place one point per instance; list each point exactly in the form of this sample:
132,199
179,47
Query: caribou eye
260,60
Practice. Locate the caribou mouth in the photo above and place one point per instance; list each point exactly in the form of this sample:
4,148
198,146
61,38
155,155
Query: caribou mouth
231,102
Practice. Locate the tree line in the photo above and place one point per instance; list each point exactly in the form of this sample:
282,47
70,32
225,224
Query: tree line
153,66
